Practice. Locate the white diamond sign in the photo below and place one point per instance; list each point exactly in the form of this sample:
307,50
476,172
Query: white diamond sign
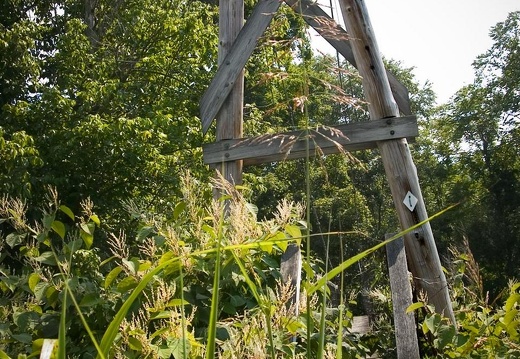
410,201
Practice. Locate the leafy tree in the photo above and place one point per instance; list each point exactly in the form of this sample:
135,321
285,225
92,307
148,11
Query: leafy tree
106,95
475,142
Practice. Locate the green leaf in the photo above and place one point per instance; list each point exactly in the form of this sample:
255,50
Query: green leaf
3,355
67,211
87,238
47,258
14,239
47,220
32,281
145,232
126,284
321,283
85,228
132,265
432,323
293,230
40,289
52,295
446,334
89,300
59,228
511,301
177,302
111,276
165,314
180,347
209,230
414,306
95,219
23,337
179,208
135,344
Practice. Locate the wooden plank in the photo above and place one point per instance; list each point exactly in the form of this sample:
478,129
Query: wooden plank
405,330
230,116
235,60
290,270
325,140
400,170
339,39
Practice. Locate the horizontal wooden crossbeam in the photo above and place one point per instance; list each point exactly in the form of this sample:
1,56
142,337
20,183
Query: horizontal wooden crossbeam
322,141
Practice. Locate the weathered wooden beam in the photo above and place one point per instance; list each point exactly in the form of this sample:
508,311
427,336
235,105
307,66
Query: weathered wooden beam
323,140
235,60
230,116
400,170
405,330
339,39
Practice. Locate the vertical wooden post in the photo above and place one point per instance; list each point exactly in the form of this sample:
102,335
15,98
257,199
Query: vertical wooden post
405,331
400,170
229,119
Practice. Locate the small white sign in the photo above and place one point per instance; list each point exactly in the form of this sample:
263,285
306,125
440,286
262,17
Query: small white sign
410,201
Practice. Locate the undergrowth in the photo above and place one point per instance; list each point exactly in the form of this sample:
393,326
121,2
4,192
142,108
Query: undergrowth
204,282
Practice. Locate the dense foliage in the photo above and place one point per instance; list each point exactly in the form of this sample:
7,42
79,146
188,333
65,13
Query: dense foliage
99,103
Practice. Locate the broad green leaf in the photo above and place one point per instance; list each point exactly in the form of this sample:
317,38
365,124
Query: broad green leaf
47,220
52,295
95,219
59,228
445,336
165,314
145,232
293,230
144,266
414,306
90,300
86,228
135,344
40,289
209,230
3,355
512,301
266,247
177,302
180,347
87,238
67,211
132,265
432,323
23,337
126,284
111,276
33,280
159,332
179,208
14,239
47,258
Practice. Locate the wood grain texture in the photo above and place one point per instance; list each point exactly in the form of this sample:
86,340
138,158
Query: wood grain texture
405,330
400,170
230,116
233,63
324,140
338,38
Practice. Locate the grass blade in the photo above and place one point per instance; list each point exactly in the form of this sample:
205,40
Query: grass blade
337,270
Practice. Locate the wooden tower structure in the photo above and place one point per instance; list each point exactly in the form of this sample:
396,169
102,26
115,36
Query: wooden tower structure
390,126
